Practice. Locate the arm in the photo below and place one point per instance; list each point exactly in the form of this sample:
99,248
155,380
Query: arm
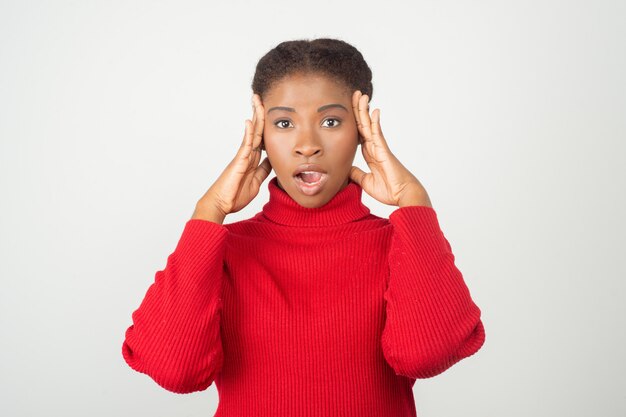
175,336
431,319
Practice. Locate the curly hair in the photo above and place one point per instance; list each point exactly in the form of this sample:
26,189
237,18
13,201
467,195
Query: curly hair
334,58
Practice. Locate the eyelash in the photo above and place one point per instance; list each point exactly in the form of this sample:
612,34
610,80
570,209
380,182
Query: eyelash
285,120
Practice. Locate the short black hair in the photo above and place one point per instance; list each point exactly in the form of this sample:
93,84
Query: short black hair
334,58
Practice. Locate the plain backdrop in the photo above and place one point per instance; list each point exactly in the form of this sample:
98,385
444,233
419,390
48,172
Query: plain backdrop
117,116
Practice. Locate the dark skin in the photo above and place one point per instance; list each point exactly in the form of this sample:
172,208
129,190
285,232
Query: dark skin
328,138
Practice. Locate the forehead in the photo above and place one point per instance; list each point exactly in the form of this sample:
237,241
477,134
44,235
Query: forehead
306,90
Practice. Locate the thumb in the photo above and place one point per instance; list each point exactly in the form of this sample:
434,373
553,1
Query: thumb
263,170
357,175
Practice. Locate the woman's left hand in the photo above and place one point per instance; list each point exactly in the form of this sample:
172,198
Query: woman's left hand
389,182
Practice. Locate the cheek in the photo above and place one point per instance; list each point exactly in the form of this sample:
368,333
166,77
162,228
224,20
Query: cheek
272,144
352,132
348,140
343,151
276,152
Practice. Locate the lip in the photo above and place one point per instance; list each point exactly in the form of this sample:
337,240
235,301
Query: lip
309,167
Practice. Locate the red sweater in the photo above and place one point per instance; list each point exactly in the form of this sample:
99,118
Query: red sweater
329,311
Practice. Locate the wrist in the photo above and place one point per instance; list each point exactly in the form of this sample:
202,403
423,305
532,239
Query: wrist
415,198
209,212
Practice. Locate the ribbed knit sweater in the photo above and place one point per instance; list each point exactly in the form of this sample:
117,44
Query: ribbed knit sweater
327,311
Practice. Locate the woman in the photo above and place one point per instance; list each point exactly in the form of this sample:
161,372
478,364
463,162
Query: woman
314,306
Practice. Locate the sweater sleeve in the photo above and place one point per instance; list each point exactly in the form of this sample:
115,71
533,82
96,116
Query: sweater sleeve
431,320
175,335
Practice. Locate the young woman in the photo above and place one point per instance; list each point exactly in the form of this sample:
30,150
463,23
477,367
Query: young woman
314,306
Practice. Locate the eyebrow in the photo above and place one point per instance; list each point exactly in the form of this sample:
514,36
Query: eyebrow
291,109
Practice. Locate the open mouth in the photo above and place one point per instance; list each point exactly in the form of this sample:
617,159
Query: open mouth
310,177
310,183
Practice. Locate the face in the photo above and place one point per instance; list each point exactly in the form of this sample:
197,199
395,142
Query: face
309,120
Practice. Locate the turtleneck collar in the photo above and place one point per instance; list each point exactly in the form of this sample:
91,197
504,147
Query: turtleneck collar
345,206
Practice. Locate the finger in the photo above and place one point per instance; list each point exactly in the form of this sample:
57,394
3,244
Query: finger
355,105
247,151
247,139
259,122
357,175
253,110
355,109
264,169
365,117
377,133
261,173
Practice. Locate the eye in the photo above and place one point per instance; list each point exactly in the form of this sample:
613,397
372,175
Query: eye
279,124
335,121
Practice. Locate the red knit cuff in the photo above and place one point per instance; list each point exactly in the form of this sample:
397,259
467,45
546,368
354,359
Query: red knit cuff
201,237
419,227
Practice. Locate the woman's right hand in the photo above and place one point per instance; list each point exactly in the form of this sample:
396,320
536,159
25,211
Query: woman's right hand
241,180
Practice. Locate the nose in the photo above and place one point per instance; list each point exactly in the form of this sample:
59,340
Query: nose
307,144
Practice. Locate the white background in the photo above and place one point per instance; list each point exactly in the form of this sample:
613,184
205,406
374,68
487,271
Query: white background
116,117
